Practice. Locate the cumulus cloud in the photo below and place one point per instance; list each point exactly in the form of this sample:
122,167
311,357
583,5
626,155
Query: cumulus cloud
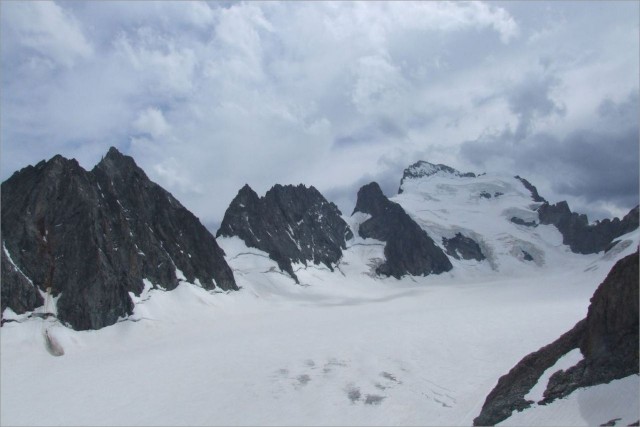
151,121
210,96
47,30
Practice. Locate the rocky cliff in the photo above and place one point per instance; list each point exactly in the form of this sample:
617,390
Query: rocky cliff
408,248
582,237
93,236
293,224
607,338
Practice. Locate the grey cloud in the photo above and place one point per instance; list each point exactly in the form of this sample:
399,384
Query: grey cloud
381,129
263,92
530,99
594,164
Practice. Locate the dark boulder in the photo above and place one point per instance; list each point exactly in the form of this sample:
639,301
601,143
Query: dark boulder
608,338
521,221
293,224
92,237
578,234
463,247
408,248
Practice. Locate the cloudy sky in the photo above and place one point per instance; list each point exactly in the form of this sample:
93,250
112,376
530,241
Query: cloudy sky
210,96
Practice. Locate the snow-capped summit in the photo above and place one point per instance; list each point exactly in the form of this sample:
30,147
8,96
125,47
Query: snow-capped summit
422,169
492,212
503,214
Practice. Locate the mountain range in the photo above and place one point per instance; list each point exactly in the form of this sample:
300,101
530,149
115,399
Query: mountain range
87,249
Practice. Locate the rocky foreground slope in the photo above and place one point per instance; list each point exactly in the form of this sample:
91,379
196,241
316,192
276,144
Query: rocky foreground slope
91,237
607,338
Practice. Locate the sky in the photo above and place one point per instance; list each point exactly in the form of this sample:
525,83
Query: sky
209,96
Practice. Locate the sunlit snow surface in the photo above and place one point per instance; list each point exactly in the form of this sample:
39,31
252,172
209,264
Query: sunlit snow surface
341,348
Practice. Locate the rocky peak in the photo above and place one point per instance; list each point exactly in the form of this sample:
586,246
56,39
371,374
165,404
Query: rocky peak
371,200
422,169
408,248
92,237
119,167
293,224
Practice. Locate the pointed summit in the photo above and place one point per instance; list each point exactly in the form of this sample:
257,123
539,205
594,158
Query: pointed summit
94,237
117,165
293,224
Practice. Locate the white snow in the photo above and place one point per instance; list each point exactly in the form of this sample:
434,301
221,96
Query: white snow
344,348
592,406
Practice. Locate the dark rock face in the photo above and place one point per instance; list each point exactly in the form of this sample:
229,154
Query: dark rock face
292,224
508,395
463,247
610,342
607,338
17,291
93,236
532,189
421,169
408,249
576,231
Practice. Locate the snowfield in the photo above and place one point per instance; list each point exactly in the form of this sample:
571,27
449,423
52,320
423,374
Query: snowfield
342,348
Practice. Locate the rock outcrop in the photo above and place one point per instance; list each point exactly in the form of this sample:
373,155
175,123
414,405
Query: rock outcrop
607,338
293,224
463,247
92,237
408,248
532,189
578,234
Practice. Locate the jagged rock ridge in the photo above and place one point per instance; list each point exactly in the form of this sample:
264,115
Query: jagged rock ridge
582,237
608,338
408,248
534,191
293,224
92,237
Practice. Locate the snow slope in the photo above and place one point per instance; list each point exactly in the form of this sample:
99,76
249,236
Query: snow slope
482,208
615,402
342,348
